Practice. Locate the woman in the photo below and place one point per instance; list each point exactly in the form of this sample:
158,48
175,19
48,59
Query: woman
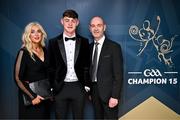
31,65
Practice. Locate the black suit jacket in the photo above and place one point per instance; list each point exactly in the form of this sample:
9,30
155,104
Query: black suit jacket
58,61
110,70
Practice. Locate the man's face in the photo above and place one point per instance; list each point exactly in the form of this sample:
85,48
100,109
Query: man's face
97,28
69,24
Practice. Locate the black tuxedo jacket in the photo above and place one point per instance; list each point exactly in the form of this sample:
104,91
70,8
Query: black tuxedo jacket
110,70
58,61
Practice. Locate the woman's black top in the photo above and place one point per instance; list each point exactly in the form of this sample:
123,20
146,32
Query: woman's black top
28,70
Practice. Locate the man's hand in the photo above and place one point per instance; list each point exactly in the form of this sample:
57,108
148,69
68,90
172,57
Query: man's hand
113,102
87,88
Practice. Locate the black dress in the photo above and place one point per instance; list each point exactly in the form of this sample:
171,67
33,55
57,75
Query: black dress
28,70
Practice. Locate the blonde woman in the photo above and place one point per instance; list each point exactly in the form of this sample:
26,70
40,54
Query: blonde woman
31,65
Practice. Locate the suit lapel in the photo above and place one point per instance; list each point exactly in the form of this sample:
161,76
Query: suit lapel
77,49
91,50
103,51
62,49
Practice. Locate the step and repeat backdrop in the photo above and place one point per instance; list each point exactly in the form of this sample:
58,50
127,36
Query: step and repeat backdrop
147,30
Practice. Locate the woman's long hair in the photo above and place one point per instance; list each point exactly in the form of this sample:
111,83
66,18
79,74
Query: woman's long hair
27,43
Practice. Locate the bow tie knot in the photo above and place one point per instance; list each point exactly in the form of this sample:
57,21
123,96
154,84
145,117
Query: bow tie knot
73,38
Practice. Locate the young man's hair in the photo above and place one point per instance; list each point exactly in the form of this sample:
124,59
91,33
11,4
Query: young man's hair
70,13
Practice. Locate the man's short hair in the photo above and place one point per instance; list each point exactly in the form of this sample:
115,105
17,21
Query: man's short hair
70,13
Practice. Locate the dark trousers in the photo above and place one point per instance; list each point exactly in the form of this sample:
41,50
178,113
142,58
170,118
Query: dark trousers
72,95
101,108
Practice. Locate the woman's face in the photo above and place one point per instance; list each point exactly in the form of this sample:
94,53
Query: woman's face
36,34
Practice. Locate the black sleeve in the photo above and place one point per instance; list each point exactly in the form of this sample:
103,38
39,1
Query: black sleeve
86,63
117,71
51,63
19,71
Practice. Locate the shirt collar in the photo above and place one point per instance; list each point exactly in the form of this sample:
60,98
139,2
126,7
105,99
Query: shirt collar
100,41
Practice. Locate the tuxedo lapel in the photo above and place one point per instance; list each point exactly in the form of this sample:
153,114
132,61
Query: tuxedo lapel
77,48
103,51
62,49
91,50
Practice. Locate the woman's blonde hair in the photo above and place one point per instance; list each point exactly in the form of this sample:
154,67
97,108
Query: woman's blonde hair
26,37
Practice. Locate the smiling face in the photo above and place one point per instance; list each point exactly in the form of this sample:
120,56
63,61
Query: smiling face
97,27
35,34
70,25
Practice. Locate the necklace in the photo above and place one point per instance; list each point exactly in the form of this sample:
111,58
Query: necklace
38,51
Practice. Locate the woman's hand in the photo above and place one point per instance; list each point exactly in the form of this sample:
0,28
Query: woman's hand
37,100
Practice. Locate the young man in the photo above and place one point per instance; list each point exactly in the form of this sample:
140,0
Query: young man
106,71
69,63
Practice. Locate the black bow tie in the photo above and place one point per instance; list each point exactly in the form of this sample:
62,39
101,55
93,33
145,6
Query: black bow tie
73,38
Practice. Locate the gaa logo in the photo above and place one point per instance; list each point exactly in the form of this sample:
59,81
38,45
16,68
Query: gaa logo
152,73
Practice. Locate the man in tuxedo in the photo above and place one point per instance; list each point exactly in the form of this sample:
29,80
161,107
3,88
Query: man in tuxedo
69,67
106,71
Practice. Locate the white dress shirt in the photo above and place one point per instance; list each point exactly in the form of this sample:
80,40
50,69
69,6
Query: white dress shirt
100,41
70,52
